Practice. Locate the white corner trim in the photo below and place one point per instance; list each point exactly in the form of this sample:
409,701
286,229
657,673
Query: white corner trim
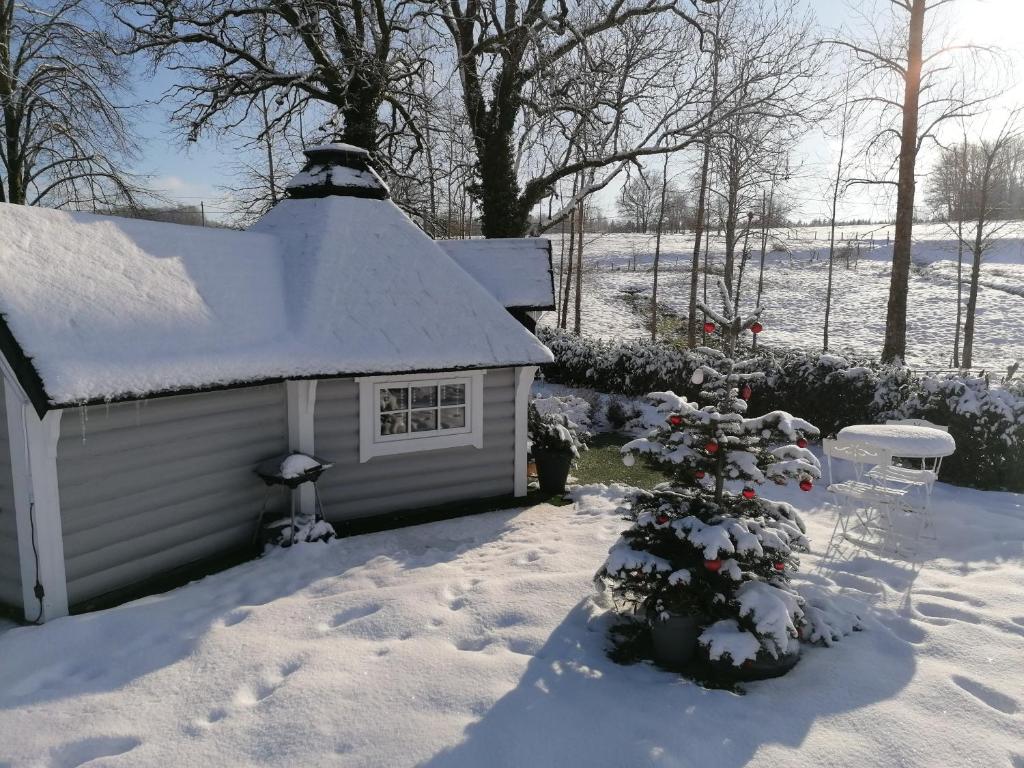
370,447
524,380
33,444
301,397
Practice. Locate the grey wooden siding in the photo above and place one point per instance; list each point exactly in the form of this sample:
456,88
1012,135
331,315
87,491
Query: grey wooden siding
10,569
411,480
147,487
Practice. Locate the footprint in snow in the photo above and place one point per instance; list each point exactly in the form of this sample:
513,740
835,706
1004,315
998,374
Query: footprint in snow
352,614
939,614
993,698
458,603
249,696
237,617
905,630
954,597
78,753
473,644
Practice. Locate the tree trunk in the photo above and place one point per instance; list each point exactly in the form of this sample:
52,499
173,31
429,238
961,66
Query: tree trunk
698,232
978,251
959,291
960,257
657,252
567,277
731,226
972,303
502,213
832,231
895,345
744,255
579,274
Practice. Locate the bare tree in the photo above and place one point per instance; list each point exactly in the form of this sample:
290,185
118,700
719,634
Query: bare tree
948,200
638,200
350,61
657,248
988,165
66,136
911,86
844,126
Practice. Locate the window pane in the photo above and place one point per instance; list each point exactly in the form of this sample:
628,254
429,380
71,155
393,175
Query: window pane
393,424
394,399
424,421
424,397
453,394
453,418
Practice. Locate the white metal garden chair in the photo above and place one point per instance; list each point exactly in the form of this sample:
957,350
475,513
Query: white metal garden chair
919,482
866,504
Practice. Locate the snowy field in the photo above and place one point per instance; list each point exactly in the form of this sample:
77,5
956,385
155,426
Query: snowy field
794,290
478,642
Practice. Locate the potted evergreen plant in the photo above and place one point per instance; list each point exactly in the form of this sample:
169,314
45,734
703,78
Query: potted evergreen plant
709,566
554,445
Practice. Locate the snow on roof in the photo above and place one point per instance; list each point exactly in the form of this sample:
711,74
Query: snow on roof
110,308
516,271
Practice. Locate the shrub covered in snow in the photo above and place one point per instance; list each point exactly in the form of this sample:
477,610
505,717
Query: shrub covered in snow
576,410
987,423
553,431
832,391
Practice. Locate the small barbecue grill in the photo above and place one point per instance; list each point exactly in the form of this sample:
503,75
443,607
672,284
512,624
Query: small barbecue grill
271,472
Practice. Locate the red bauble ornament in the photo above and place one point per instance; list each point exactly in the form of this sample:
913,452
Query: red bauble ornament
661,519
711,446
747,392
756,328
713,565
780,566
675,420
699,474
801,443
709,327
806,485
748,493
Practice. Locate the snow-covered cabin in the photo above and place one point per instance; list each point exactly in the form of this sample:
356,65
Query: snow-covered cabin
148,367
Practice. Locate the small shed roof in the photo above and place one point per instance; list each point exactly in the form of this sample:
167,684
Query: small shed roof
517,271
101,308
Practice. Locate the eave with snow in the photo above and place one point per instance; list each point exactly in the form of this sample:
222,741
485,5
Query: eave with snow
334,288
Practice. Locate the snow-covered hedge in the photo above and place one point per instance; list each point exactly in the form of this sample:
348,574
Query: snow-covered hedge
831,391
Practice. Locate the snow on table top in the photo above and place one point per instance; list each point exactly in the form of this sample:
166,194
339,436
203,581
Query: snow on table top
478,642
903,440
517,271
109,307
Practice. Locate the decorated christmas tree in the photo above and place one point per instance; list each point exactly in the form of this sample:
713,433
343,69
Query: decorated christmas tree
708,545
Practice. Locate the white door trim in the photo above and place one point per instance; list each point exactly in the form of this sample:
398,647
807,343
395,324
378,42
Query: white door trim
524,380
301,396
33,444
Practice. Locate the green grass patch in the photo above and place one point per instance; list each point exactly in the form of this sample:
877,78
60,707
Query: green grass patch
602,463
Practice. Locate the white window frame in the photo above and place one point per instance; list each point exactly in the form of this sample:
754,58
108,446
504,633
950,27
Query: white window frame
373,444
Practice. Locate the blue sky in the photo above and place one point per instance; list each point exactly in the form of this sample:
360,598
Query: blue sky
191,173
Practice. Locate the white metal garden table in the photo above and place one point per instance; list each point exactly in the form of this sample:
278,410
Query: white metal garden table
896,483
902,440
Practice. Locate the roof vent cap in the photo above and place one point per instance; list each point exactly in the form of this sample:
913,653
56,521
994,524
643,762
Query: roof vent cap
337,169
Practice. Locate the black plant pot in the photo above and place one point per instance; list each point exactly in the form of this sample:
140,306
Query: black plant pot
674,640
552,469
763,667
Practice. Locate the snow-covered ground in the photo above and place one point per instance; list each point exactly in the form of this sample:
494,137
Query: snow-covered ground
477,642
795,284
